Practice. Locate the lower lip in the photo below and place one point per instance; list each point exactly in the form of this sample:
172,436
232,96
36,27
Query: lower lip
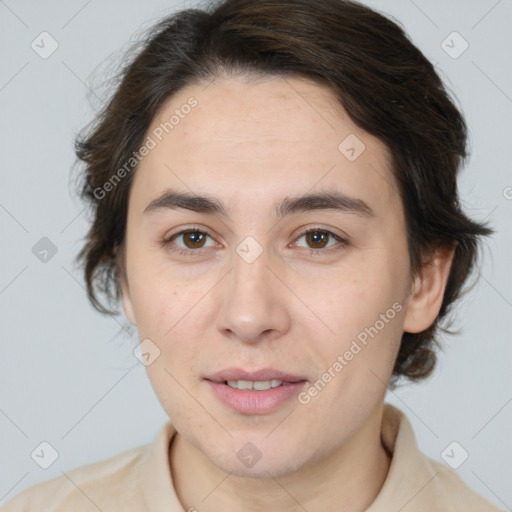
255,402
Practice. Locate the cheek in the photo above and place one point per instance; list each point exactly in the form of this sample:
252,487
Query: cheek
153,305
349,304
158,296
172,313
363,312
162,292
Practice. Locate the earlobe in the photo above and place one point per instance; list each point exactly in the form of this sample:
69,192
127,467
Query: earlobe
426,298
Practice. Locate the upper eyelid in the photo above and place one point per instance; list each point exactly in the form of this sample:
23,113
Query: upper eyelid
184,231
320,228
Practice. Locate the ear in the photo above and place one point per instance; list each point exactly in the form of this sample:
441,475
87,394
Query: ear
127,301
123,281
427,294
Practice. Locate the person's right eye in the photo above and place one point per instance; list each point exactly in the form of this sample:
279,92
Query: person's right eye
192,239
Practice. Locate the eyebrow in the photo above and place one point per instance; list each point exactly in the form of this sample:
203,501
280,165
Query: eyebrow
327,200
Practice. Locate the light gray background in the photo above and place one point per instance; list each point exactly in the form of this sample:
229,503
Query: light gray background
68,375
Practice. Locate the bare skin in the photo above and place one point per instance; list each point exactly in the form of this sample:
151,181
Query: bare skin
249,145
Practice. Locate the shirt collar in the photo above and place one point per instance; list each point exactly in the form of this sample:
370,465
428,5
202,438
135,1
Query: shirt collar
409,475
410,472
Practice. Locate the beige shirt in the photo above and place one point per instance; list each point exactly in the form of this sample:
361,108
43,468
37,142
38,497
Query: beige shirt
139,480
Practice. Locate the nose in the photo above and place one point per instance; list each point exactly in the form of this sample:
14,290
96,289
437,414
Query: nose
254,301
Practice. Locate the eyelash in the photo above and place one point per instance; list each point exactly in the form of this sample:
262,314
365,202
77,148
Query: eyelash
342,242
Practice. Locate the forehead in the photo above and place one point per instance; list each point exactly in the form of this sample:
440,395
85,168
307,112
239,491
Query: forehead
257,141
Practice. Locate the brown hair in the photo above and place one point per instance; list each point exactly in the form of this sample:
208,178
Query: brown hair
382,80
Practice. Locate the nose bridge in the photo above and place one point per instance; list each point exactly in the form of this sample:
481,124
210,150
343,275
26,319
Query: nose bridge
252,303
250,272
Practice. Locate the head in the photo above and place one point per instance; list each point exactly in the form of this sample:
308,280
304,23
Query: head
274,185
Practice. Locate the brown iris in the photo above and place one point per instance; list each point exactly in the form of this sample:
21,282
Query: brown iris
196,239
315,237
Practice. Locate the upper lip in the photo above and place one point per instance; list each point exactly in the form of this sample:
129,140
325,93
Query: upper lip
264,374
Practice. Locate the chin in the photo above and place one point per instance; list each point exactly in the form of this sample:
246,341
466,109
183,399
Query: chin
261,459
262,470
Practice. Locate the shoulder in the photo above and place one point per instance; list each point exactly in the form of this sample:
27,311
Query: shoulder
103,485
449,487
417,482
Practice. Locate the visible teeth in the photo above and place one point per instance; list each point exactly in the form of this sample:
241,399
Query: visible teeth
259,385
244,384
262,385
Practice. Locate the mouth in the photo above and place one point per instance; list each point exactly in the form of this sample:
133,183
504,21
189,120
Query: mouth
258,385
264,375
255,393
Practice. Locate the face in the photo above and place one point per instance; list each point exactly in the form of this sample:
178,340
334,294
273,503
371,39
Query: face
251,284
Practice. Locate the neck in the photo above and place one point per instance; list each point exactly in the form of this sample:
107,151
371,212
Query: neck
353,475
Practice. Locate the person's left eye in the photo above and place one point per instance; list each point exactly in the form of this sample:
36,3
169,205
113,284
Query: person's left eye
318,240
